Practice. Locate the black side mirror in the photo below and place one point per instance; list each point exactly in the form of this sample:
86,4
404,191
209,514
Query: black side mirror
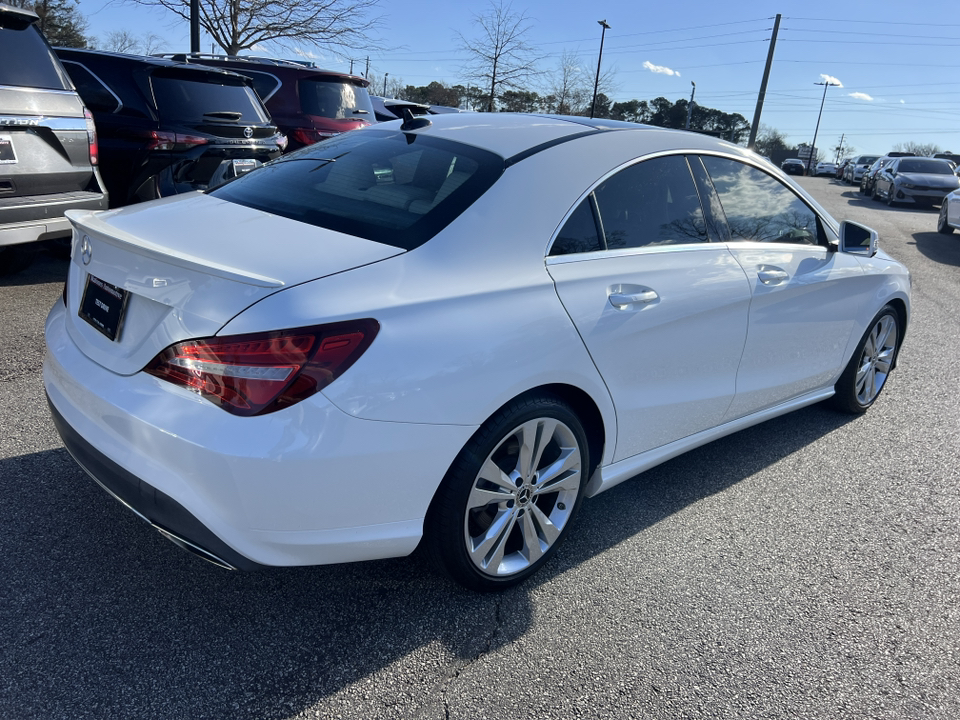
857,239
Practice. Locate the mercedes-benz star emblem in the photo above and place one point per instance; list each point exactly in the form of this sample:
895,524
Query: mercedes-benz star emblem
248,132
86,250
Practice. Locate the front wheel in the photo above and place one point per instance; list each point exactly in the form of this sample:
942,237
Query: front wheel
510,497
865,375
891,191
942,225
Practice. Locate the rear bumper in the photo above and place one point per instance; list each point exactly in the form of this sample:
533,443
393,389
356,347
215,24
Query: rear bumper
40,217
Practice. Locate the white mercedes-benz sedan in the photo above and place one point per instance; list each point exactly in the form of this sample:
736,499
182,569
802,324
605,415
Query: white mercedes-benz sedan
449,331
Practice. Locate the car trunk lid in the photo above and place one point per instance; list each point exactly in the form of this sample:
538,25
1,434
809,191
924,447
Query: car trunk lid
185,274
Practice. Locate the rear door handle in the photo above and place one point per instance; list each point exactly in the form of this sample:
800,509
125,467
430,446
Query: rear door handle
772,276
622,301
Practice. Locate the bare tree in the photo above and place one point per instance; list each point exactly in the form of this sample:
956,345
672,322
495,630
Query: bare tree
569,85
237,25
150,44
500,57
121,41
922,149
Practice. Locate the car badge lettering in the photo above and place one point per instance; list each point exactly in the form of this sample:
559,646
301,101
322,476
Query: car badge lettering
86,250
248,132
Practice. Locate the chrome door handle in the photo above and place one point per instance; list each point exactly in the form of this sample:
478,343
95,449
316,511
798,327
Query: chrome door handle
772,276
623,300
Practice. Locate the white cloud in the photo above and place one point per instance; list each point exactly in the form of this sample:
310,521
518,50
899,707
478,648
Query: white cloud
903,102
830,79
659,69
860,96
304,54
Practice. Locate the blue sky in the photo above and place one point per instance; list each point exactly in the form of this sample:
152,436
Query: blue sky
898,62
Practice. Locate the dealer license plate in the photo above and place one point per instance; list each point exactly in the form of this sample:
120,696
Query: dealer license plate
103,306
7,155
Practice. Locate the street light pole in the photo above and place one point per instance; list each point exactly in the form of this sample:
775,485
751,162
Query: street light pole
690,106
596,83
385,76
813,148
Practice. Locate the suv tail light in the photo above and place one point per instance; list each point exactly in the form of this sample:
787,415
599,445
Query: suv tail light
309,136
265,372
160,140
92,137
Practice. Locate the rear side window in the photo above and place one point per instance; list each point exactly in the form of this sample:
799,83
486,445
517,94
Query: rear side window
654,202
758,207
389,187
35,65
93,92
334,99
579,233
192,98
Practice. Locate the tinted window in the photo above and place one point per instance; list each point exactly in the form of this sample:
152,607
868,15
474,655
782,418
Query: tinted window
758,207
579,233
264,84
920,165
651,203
179,98
35,64
334,99
94,93
388,187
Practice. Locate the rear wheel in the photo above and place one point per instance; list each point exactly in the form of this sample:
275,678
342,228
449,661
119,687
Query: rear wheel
868,369
942,225
510,496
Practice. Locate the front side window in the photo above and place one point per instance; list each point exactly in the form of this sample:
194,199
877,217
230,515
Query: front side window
654,202
384,186
758,207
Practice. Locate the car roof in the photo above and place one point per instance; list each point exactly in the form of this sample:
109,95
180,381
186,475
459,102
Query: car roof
516,135
265,64
149,60
18,14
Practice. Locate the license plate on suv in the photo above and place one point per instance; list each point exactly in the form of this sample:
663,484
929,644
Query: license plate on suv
103,306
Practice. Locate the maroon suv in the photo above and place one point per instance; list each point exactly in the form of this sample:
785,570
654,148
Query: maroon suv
307,104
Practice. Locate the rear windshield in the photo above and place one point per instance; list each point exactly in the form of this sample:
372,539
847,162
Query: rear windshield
928,166
35,65
868,159
334,99
191,98
390,187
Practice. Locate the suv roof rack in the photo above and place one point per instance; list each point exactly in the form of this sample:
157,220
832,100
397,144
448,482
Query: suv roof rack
187,57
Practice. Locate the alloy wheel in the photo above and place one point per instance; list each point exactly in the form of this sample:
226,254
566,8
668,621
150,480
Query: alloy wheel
876,359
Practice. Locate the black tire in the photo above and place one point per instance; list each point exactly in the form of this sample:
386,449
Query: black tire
873,194
891,191
15,258
482,547
869,368
942,226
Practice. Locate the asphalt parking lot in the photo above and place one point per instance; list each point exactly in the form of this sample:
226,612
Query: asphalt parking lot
806,568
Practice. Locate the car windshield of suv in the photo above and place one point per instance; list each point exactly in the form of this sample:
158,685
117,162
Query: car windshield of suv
36,65
390,187
929,167
196,97
335,99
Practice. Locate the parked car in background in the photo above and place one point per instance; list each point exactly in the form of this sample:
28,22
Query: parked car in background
869,177
842,166
825,168
916,181
446,339
793,166
949,218
166,127
952,157
857,167
387,109
48,144
306,103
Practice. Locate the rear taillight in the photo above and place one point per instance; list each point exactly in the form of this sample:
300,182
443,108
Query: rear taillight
160,140
309,136
262,373
92,137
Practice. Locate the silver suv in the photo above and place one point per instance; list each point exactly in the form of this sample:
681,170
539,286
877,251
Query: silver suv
48,144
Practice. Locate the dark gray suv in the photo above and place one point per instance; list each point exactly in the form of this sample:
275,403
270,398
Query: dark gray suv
48,144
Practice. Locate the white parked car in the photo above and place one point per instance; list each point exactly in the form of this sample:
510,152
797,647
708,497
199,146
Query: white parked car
826,168
949,218
451,331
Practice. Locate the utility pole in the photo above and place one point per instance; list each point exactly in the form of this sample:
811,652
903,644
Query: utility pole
385,76
351,66
596,83
194,26
813,148
840,148
763,85
690,106
367,73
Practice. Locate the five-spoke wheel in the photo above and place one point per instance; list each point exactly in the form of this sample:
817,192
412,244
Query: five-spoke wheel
866,374
511,494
